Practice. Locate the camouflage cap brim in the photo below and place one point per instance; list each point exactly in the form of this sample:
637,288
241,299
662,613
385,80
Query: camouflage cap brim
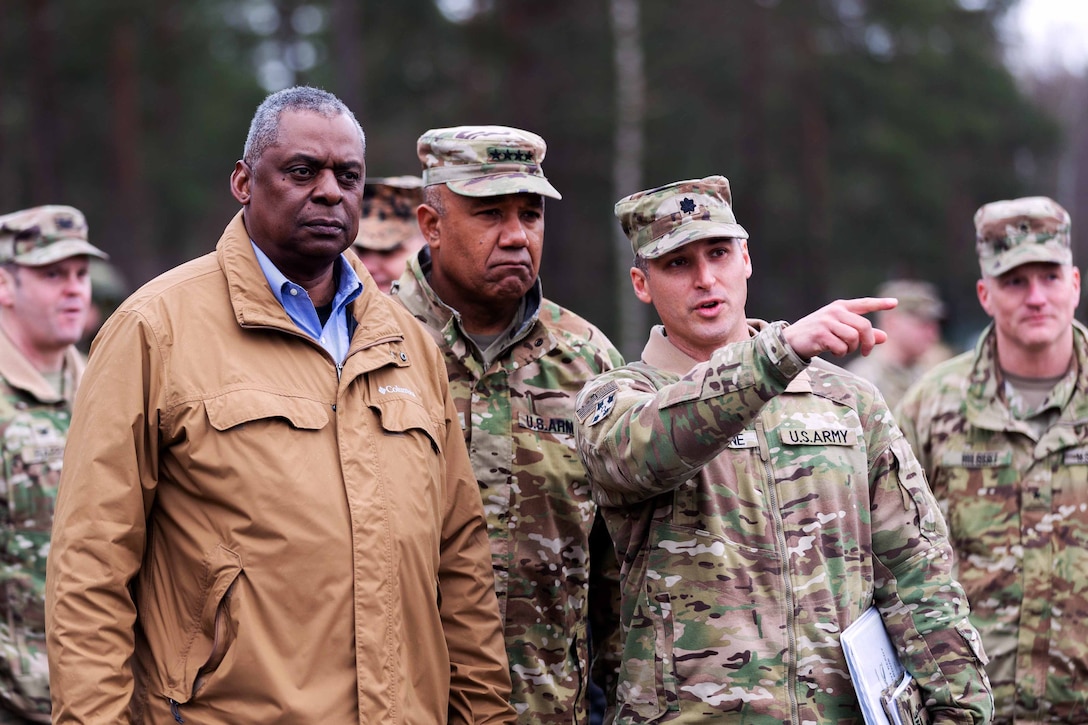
1053,251
692,230
501,184
55,252
383,235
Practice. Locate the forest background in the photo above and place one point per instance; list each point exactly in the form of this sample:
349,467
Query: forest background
859,136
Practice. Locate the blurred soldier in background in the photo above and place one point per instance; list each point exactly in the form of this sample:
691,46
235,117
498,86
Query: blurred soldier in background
45,292
108,291
761,499
388,231
1001,434
516,361
914,337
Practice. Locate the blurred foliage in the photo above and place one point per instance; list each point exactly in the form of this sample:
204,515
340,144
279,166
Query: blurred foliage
859,136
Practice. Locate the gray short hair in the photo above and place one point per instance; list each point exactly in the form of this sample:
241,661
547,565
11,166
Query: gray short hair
432,197
642,264
266,120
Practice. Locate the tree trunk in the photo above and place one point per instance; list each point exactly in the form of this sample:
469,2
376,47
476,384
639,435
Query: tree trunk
627,168
347,53
45,178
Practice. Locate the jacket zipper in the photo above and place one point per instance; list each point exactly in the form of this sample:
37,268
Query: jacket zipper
780,538
175,710
219,626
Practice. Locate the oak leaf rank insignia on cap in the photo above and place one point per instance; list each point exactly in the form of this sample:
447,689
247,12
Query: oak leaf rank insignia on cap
660,220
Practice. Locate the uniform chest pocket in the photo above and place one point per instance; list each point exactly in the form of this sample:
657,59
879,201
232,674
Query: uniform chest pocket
982,505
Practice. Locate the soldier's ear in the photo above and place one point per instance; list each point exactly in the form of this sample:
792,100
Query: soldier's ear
982,289
428,217
639,283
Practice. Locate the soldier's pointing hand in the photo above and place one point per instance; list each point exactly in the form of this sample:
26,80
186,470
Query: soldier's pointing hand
839,328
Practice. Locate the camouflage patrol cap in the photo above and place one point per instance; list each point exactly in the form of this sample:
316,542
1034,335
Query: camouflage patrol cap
660,220
485,161
389,212
1019,231
915,296
44,234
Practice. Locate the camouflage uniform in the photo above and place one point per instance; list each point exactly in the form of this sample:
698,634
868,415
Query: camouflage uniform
517,414
1015,504
34,422
1016,500
33,427
891,379
759,506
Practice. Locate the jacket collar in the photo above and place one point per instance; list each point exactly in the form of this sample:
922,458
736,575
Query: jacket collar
21,375
985,406
255,305
415,291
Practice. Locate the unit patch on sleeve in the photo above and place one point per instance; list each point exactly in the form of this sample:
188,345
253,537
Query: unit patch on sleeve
599,404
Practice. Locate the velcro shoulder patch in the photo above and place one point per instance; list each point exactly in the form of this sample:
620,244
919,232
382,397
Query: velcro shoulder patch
599,404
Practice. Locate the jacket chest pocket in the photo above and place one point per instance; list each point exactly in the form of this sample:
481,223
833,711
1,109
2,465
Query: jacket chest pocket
409,453
238,409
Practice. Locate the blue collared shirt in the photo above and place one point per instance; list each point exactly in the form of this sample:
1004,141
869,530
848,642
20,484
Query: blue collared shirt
335,336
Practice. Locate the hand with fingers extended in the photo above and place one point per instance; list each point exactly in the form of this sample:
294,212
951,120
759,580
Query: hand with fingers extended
839,328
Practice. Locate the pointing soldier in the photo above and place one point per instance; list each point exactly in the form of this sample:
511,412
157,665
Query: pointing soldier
45,294
760,498
516,361
1000,432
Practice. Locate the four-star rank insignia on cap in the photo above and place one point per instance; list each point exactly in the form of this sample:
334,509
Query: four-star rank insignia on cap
687,205
599,404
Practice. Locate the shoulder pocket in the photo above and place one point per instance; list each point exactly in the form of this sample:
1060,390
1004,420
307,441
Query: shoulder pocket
236,407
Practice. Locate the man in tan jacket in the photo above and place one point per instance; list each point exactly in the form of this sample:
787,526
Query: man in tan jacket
267,513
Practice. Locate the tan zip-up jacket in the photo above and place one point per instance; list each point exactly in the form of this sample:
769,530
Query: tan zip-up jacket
294,543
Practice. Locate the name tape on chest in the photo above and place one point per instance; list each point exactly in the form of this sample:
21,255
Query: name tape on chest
744,439
542,424
977,459
818,436
1076,457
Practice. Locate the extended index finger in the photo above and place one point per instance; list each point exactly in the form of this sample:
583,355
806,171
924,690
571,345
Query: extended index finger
862,305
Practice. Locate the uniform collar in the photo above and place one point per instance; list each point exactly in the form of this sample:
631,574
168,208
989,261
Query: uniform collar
22,375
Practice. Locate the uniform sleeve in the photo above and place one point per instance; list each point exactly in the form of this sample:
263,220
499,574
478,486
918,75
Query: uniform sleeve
479,672
638,438
924,608
907,414
107,487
